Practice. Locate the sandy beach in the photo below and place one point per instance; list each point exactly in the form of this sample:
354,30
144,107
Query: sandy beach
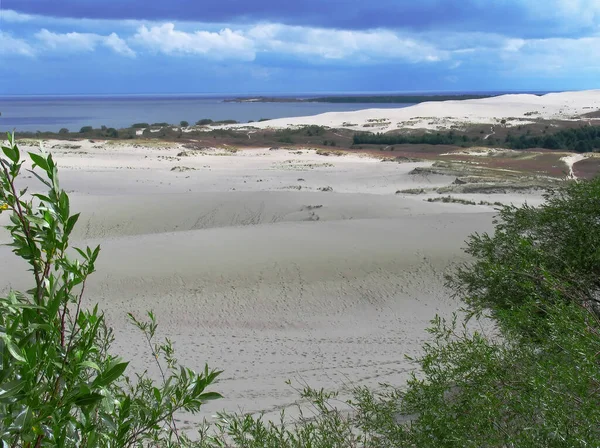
272,265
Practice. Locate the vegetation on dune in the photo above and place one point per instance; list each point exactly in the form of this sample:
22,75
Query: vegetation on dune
583,139
438,138
531,380
208,121
103,132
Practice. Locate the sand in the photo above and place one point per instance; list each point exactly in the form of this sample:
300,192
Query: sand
571,160
504,110
251,267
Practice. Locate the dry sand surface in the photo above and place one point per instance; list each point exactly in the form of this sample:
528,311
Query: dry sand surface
251,267
514,110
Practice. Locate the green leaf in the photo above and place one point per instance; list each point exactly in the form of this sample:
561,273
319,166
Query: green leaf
71,224
11,153
114,372
90,365
210,396
39,161
63,202
40,178
14,350
81,252
10,389
55,183
42,197
38,221
88,399
23,420
157,394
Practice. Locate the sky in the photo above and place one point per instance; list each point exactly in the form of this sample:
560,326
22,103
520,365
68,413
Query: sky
294,47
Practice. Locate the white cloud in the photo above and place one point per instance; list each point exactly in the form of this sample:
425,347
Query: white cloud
82,42
118,45
555,54
244,44
13,45
10,16
342,44
571,13
218,45
68,42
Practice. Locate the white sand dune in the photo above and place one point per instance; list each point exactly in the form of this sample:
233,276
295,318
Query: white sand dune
513,109
256,277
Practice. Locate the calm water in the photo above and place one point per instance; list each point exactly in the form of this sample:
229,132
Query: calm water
53,113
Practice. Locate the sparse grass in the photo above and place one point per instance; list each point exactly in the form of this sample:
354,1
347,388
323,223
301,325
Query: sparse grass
182,169
142,142
412,191
330,152
453,200
299,165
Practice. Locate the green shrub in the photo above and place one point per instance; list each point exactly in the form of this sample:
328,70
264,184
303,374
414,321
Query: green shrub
140,125
86,129
63,131
184,124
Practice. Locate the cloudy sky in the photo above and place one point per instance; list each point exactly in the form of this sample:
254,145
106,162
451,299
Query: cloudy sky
299,46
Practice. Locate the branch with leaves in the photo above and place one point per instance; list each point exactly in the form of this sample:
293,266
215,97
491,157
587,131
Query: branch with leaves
59,384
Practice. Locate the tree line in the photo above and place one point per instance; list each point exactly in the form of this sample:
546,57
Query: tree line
446,138
583,139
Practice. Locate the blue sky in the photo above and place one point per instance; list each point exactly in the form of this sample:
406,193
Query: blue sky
280,46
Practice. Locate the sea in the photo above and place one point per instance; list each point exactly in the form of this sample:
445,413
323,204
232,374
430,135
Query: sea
51,113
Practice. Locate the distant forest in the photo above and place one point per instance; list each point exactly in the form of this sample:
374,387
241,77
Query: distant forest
584,139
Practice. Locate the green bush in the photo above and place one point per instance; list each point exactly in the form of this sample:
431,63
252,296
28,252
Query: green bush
140,125
86,129
59,383
184,124
530,381
546,254
204,122
63,131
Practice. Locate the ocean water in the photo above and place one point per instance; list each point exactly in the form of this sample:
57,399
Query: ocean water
30,114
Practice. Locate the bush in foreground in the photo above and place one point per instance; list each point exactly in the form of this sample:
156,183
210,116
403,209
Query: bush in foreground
59,383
